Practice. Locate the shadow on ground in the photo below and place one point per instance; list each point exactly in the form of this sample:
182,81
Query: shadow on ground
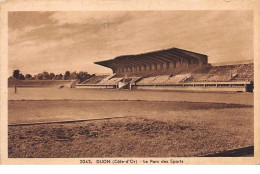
241,152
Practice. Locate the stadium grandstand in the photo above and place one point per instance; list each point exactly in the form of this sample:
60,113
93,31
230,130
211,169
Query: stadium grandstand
173,69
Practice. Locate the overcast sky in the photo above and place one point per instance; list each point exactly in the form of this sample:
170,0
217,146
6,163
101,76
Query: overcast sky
60,41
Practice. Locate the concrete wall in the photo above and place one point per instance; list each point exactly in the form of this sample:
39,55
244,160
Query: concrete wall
191,88
221,87
96,86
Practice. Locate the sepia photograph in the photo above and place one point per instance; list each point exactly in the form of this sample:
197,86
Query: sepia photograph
124,86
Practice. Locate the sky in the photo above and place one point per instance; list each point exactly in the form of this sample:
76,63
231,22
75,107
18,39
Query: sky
61,41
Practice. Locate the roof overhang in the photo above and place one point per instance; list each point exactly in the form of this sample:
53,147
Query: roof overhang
161,56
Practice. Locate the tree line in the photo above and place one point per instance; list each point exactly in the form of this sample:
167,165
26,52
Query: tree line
51,76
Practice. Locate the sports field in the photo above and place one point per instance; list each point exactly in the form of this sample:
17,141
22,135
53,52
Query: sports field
113,94
113,123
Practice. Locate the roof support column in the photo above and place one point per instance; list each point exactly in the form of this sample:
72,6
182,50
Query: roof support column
188,63
133,68
161,65
149,67
165,65
178,64
139,68
143,67
154,66
118,71
172,65
200,63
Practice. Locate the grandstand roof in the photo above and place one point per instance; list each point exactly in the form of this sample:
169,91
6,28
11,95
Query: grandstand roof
166,55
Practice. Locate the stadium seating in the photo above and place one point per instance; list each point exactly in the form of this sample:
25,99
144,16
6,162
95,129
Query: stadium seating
161,79
106,79
244,72
134,79
94,79
223,73
227,73
112,81
164,79
177,78
146,81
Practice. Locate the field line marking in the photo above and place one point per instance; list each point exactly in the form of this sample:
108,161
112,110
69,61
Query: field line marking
68,121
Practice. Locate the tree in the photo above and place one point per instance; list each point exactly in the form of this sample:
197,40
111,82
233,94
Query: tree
45,75
58,77
21,77
67,75
74,75
52,76
16,73
28,76
82,76
10,78
39,76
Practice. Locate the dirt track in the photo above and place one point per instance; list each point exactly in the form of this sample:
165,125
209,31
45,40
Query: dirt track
51,111
131,137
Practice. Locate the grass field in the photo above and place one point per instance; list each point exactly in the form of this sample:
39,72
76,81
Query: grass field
163,124
102,94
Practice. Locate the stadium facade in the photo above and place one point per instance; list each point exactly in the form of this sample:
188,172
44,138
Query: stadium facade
172,69
158,62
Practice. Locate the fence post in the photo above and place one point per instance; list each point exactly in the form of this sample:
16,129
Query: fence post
15,86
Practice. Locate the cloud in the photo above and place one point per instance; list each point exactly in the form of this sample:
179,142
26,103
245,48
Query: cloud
60,41
91,18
